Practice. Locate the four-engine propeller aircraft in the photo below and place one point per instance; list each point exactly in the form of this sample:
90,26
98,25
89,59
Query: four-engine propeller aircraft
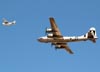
55,37
7,23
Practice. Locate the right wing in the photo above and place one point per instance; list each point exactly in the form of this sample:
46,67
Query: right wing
68,49
63,46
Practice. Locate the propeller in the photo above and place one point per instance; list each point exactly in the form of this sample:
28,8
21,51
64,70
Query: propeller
52,44
56,48
46,31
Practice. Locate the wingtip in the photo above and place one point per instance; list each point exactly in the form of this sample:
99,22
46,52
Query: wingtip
70,52
51,18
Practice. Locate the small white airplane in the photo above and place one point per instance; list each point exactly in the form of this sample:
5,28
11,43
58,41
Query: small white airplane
7,23
55,37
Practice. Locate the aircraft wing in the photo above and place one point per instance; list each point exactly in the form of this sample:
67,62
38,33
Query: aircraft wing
63,46
57,34
4,20
68,49
55,29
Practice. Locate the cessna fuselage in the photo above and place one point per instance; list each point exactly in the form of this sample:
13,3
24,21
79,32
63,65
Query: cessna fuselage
7,23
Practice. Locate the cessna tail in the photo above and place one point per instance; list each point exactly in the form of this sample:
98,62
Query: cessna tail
14,22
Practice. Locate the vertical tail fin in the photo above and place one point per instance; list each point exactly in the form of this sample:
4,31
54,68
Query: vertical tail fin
14,22
92,35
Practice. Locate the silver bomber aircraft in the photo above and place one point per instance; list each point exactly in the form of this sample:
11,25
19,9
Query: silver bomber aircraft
60,42
7,23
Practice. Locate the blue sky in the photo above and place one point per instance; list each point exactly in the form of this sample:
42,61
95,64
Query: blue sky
21,52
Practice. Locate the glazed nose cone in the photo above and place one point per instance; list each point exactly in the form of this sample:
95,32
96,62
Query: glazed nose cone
39,39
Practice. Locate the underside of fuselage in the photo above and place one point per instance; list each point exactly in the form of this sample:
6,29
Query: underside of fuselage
64,39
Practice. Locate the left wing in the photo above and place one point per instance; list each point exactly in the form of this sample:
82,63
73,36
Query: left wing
55,29
63,46
5,20
56,34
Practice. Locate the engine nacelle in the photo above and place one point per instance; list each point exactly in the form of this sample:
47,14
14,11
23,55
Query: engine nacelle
60,46
54,43
50,35
57,46
48,30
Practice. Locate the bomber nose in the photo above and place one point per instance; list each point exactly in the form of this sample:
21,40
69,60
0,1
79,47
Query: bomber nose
38,39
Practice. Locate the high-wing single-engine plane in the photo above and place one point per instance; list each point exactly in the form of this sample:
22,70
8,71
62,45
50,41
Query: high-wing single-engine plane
7,23
60,42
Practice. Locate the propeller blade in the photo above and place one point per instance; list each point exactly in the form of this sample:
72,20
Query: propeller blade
45,31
